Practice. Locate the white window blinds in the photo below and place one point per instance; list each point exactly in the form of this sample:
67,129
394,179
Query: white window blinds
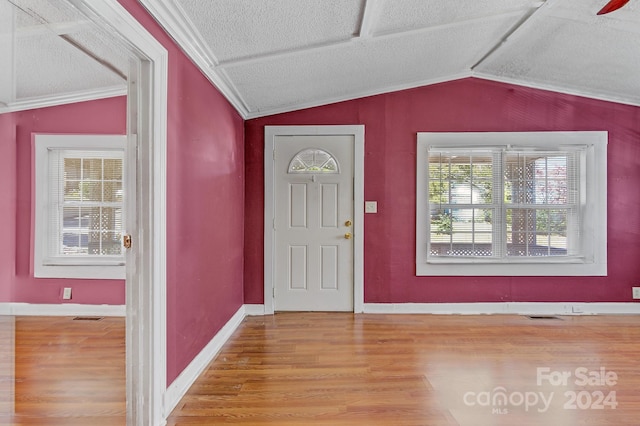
501,203
86,203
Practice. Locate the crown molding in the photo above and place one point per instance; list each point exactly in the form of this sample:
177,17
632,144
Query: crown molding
358,95
558,89
173,19
62,99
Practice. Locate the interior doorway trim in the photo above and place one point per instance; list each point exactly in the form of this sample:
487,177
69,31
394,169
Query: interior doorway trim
270,134
146,346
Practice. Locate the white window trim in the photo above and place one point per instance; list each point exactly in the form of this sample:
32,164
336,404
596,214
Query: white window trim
92,268
595,212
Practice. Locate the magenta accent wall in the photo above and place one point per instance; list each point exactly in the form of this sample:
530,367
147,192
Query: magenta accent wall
8,211
391,123
205,206
107,116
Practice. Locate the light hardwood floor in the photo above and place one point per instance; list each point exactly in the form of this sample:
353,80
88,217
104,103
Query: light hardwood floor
65,372
344,369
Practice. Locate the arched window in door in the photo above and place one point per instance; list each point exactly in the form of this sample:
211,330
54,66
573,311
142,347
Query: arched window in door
313,160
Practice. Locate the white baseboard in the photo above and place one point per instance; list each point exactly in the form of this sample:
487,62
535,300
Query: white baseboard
253,310
63,309
519,308
5,308
185,380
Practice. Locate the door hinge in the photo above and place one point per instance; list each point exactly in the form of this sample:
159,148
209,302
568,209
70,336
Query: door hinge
274,292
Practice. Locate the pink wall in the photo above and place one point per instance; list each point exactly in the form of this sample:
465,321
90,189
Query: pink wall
205,206
391,123
97,117
205,214
7,212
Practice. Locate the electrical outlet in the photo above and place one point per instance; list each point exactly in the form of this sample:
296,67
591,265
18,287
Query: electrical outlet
66,293
636,292
577,309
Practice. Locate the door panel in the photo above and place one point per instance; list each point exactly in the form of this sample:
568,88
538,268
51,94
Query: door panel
298,205
298,267
314,201
329,203
329,264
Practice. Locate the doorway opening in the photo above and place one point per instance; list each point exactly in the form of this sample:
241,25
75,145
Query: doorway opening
146,211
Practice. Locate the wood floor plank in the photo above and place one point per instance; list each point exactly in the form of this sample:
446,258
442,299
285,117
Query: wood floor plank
345,369
67,372
336,369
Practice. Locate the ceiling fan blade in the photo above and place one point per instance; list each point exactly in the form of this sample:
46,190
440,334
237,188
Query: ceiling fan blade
612,5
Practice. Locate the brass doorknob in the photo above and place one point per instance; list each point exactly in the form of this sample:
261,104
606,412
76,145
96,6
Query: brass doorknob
126,241
347,236
347,223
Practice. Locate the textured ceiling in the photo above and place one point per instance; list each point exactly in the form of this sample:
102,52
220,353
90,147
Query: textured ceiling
567,47
403,15
51,52
244,28
271,56
362,67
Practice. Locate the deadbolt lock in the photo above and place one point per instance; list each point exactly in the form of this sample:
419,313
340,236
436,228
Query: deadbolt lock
126,241
348,223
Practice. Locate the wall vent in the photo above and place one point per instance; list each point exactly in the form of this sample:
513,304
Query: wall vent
88,318
543,317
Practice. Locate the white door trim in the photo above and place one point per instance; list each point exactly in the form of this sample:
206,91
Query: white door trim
146,346
270,133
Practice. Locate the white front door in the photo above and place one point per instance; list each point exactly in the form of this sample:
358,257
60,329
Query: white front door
314,223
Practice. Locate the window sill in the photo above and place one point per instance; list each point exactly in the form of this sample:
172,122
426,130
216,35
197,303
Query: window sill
511,269
105,272
546,260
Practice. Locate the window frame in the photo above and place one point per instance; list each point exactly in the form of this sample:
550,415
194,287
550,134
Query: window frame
593,179
44,264
319,169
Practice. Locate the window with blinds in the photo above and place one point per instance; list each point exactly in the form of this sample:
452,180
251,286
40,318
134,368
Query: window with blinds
79,206
86,206
528,200
501,203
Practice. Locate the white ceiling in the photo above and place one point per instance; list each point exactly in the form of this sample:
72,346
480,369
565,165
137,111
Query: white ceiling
51,54
271,56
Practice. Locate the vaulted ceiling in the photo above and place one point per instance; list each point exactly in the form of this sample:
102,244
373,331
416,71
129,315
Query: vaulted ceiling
270,56
51,54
